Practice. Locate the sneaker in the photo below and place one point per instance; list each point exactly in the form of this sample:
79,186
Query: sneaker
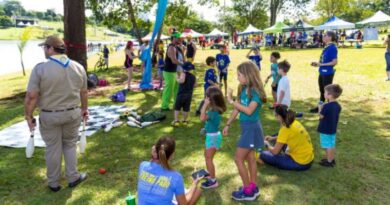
325,163
314,110
325,160
83,177
241,196
256,191
387,79
209,184
55,189
175,123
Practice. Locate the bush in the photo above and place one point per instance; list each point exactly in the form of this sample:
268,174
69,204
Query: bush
5,22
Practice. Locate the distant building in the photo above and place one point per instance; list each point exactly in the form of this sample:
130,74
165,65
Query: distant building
25,21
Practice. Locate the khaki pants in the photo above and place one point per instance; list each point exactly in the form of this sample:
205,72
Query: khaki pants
59,131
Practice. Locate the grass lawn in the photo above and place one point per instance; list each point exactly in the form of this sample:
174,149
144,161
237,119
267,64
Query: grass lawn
362,174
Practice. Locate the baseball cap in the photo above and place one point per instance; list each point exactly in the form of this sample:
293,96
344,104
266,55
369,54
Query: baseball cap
53,41
129,43
187,66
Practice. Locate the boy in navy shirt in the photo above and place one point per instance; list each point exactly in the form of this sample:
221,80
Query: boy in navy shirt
223,62
210,79
256,58
329,118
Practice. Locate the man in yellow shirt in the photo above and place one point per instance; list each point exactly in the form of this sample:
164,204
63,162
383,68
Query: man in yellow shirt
299,153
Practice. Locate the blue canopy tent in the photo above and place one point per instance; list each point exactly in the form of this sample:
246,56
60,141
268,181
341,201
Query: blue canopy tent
146,56
335,23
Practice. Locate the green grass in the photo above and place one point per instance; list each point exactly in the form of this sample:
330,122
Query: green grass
360,177
92,33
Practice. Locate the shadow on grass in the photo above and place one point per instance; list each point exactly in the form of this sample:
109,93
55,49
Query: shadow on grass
359,177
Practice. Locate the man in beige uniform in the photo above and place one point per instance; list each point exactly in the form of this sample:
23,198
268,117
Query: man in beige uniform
57,87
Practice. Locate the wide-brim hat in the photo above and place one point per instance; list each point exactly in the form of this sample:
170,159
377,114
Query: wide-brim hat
53,41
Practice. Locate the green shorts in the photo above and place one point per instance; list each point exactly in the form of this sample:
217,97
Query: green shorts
213,140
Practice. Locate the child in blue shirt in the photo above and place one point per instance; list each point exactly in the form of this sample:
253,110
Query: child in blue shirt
329,118
256,58
160,65
214,105
223,62
158,183
275,56
210,77
251,96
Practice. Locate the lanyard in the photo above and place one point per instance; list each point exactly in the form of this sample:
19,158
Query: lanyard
64,65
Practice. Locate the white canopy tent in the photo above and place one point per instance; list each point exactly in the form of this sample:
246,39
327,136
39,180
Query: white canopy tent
250,30
335,23
192,33
149,36
217,32
378,19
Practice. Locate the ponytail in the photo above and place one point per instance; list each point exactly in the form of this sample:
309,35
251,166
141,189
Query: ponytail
287,115
163,158
165,147
290,117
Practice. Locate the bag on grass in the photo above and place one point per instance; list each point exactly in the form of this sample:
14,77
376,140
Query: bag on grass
119,96
102,82
153,116
92,80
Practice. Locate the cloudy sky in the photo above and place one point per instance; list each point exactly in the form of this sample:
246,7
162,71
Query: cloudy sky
206,12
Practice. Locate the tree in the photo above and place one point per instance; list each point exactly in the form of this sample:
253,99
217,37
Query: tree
290,7
13,8
251,12
26,34
5,21
122,12
329,8
74,30
177,13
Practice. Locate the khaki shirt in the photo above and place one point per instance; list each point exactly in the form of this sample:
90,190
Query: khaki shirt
58,86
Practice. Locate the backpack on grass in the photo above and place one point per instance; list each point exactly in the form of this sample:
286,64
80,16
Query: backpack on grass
153,116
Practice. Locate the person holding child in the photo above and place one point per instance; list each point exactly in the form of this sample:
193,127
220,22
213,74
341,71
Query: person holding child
187,82
326,65
329,118
213,107
292,139
251,96
275,56
170,69
158,183
223,62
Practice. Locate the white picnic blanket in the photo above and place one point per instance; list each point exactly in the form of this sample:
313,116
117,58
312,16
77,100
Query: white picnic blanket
17,135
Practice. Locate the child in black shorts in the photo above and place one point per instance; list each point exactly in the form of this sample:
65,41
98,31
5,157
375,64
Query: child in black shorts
275,56
187,83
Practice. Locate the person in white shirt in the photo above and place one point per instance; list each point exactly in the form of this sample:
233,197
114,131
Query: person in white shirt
283,93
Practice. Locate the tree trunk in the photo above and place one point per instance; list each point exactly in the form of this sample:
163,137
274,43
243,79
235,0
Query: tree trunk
21,61
273,11
74,31
131,16
157,42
